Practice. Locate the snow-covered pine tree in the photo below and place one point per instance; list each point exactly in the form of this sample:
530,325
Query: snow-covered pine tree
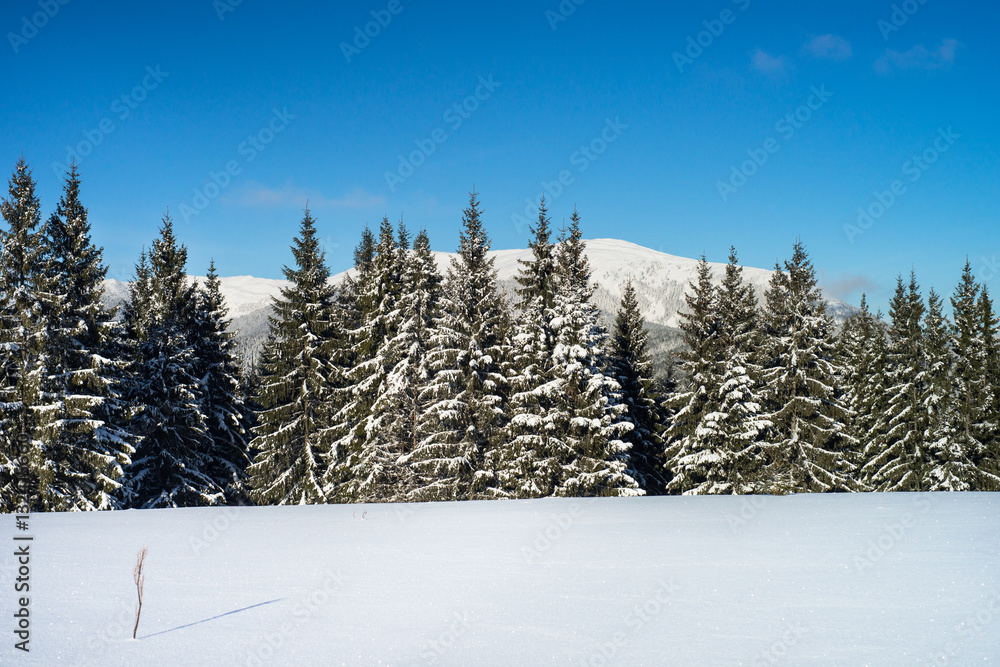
228,417
292,437
861,348
467,387
23,310
632,367
966,450
989,420
428,472
898,464
85,435
698,459
738,422
529,465
590,411
948,468
373,467
349,347
803,401
172,464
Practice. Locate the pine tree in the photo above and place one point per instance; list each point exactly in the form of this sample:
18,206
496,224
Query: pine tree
529,465
466,388
590,412
228,416
632,368
947,467
862,351
23,325
84,433
966,451
292,438
899,465
803,402
988,429
400,410
373,467
697,457
349,347
172,466
738,422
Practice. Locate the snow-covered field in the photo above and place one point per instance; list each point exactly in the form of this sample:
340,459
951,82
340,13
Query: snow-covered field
879,579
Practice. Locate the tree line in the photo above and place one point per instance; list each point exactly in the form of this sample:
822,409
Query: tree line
405,384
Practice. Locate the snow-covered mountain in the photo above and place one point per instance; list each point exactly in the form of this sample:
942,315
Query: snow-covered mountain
660,281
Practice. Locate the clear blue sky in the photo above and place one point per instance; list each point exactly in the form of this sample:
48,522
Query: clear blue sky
675,131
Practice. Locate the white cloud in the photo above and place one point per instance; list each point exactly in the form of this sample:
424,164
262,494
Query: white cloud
828,47
768,64
919,57
257,194
846,286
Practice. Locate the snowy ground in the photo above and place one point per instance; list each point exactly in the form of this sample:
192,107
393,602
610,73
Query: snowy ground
804,580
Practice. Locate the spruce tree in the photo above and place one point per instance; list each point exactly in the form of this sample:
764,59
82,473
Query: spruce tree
228,417
697,457
352,306
815,451
862,351
948,469
466,388
172,465
967,452
739,423
529,465
292,437
23,311
84,434
427,472
590,411
988,428
899,466
632,368
373,468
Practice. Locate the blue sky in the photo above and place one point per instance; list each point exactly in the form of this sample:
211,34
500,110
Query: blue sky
232,115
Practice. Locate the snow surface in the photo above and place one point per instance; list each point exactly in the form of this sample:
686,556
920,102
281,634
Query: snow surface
851,579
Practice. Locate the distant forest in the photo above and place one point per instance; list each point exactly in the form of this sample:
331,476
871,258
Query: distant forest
402,384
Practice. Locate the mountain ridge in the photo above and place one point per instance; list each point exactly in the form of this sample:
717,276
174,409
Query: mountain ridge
660,280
